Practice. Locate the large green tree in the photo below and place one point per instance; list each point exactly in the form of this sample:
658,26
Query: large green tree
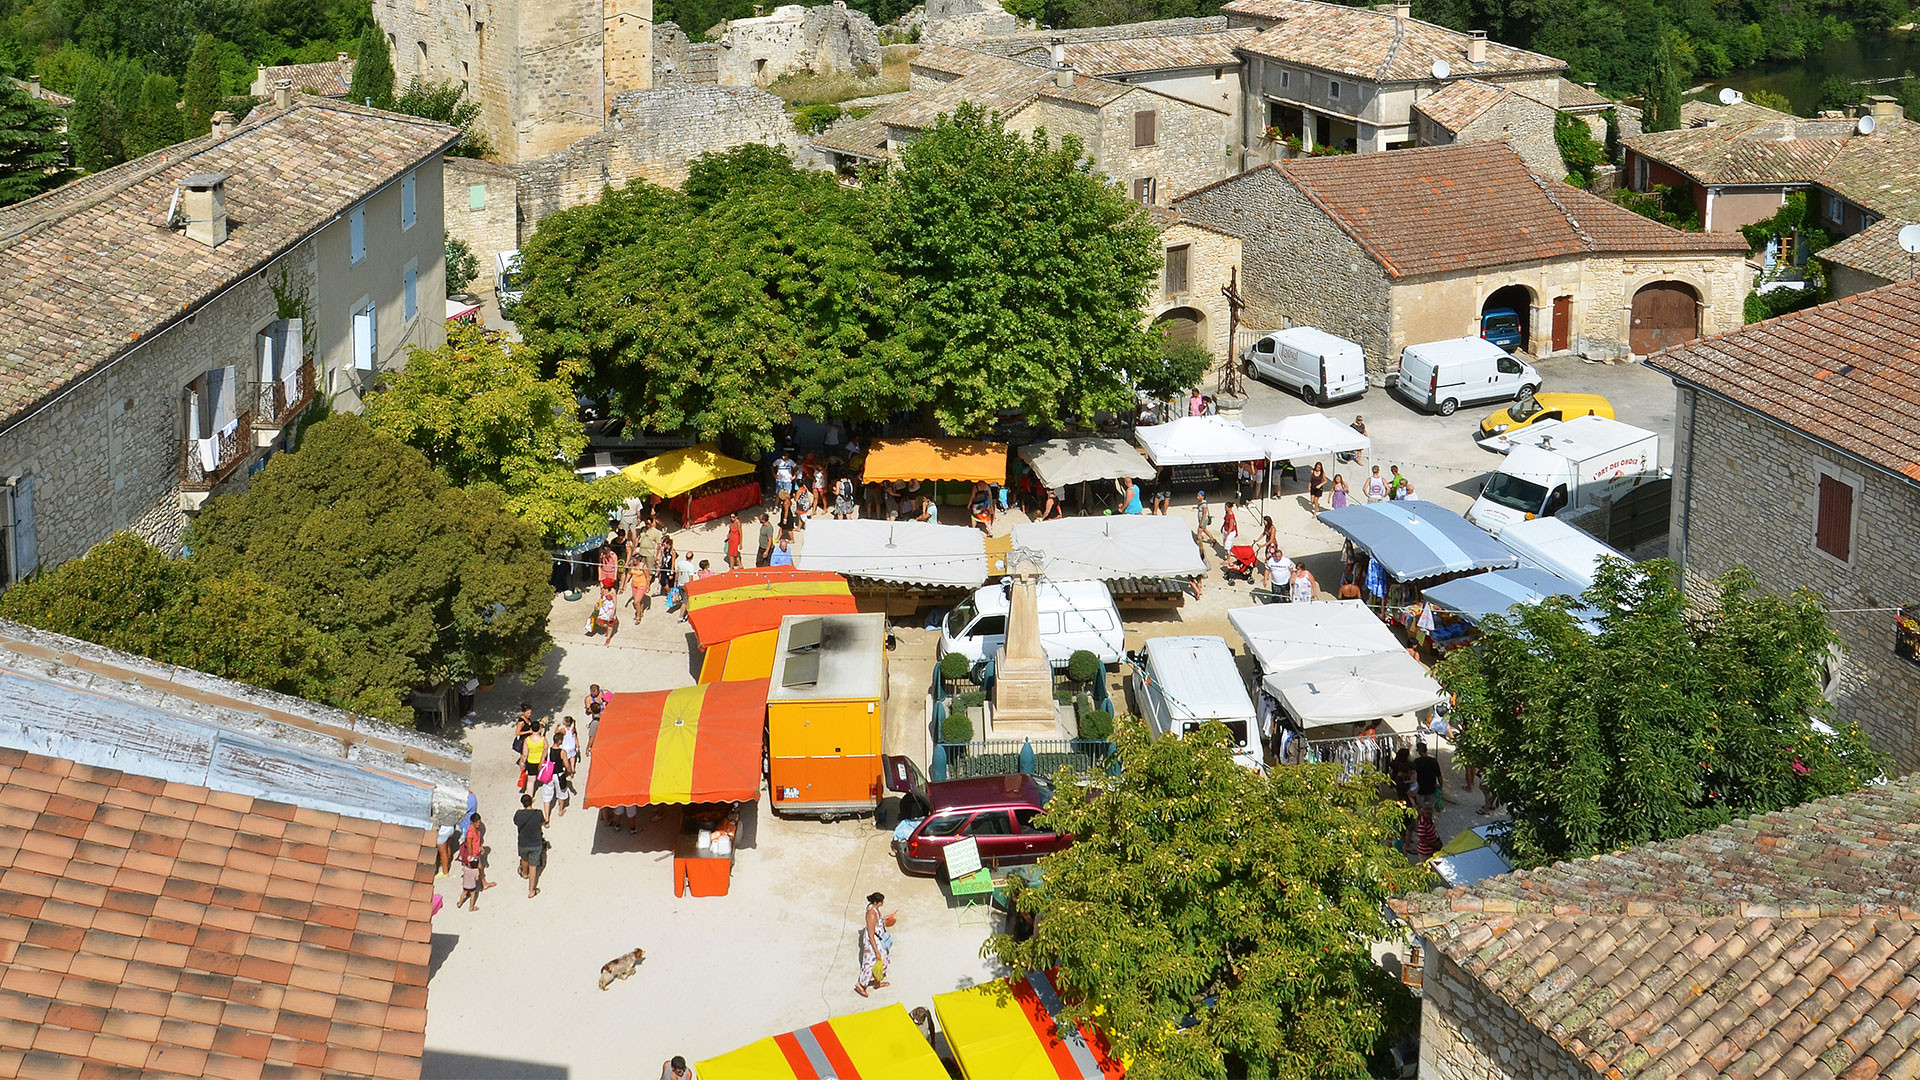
722,313
414,581
128,595
1244,906
483,415
449,104
372,71
32,153
1023,269
155,121
1663,719
201,88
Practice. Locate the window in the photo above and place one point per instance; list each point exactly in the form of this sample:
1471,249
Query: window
210,404
990,823
1025,815
1143,190
1146,125
1176,282
365,341
19,544
1639,173
408,211
1219,73
945,825
410,290
990,625
356,237
1833,522
1867,221
1835,212
466,77
1333,89
420,58
476,196
1286,79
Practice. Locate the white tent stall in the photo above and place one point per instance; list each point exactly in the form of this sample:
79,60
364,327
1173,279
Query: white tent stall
901,552
1199,440
1283,636
1309,435
1113,547
1057,463
1354,689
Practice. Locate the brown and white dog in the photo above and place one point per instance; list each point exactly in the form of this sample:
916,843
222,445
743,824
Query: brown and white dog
620,967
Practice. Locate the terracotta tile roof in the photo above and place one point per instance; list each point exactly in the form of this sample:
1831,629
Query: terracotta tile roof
1444,208
330,78
1131,56
1846,372
1573,96
157,929
1880,171
87,271
860,136
1874,250
1782,946
1164,219
1460,103
1378,46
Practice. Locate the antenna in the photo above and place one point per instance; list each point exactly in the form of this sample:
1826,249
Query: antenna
1442,69
173,208
1865,126
1730,96
1909,238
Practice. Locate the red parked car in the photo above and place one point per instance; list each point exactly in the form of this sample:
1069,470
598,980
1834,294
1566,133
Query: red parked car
997,811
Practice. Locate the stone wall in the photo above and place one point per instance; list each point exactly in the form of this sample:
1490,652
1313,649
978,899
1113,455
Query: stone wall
952,22
1524,124
492,226
1745,494
1211,258
1191,144
1298,267
1468,1033
1847,281
794,40
654,135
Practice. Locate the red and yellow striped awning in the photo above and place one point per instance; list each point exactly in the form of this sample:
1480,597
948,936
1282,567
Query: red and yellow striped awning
727,606
745,658
693,745
1015,1029
880,1044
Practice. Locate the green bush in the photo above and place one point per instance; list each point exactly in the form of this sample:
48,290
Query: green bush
954,666
1062,696
1083,666
816,118
957,727
1578,150
1096,724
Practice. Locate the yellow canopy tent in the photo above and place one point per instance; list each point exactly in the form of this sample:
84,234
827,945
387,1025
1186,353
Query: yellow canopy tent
880,1044
747,657
964,460
677,472
1014,1030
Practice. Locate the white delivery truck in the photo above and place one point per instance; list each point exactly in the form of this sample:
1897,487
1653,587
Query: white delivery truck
1576,463
1321,367
507,288
1074,615
1180,683
1441,376
1558,548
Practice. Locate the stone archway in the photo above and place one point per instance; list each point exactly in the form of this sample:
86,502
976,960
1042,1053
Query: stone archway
1665,314
1183,324
1519,300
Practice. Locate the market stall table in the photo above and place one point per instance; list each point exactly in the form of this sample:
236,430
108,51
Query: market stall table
699,483
749,601
879,1044
1015,1029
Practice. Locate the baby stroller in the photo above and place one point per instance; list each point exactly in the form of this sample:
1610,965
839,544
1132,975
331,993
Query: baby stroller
1240,563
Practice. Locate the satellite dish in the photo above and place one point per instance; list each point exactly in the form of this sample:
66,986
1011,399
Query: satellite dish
1865,126
1910,239
1441,69
1730,96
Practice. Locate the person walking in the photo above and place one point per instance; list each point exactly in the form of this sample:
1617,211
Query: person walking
531,827
1339,493
1203,520
1428,780
524,728
663,565
784,469
1300,585
1316,485
734,539
843,493
1395,483
876,946
1129,495
534,756
1359,457
676,1068
1376,487
769,533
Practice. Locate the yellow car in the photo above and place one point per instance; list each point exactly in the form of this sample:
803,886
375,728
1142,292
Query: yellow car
1533,408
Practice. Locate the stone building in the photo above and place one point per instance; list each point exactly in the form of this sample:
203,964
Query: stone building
1197,262
1394,249
793,40
148,362
1783,946
544,72
955,21
1153,145
1797,455
1468,110
1740,162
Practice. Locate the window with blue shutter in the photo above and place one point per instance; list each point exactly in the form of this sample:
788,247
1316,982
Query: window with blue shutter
406,202
356,237
410,288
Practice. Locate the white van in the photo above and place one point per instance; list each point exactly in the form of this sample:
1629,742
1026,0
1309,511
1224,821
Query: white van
1323,368
1074,615
1441,376
1188,681
1550,544
507,288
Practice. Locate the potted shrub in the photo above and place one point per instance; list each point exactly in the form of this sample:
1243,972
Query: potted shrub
1083,667
957,727
953,668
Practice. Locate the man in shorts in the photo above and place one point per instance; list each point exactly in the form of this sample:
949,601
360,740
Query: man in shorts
531,825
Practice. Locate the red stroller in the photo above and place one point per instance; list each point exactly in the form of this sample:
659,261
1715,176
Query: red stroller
1241,563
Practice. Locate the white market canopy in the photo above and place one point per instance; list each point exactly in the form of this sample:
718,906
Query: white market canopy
1112,547
1309,435
1059,462
908,552
1354,689
1199,440
1282,636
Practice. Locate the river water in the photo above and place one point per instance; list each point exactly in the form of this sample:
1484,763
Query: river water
1863,56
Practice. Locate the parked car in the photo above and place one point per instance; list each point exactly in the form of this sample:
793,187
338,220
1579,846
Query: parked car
1502,327
1321,367
997,811
1441,376
1074,615
1540,408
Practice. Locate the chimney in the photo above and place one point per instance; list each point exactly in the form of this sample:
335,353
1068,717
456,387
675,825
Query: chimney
1063,77
222,124
1885,107
33,86
1476,46
283,93
345,60
1403,9
1057,52
203,200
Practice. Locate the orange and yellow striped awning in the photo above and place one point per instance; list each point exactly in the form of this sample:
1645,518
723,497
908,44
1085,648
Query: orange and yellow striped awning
745,658
880,1044
738,602
1015,1029
697,744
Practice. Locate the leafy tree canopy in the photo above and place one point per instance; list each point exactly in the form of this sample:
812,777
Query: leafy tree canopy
447,103
463,266
202,88
372,70
1022,268
1579,151
1200,892
32,153
483,415
414,581
1667,720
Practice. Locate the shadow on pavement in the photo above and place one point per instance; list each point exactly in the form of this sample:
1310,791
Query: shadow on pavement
451,1066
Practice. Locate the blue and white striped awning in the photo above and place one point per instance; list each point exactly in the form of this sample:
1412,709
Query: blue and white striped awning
1413,539
1474,598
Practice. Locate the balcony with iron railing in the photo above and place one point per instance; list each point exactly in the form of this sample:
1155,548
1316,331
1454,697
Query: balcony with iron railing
277,402
229,451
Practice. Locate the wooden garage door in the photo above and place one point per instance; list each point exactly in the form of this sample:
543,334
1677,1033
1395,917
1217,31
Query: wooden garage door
1665,314
1180,324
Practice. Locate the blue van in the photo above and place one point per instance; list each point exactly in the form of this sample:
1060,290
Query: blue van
1502,327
